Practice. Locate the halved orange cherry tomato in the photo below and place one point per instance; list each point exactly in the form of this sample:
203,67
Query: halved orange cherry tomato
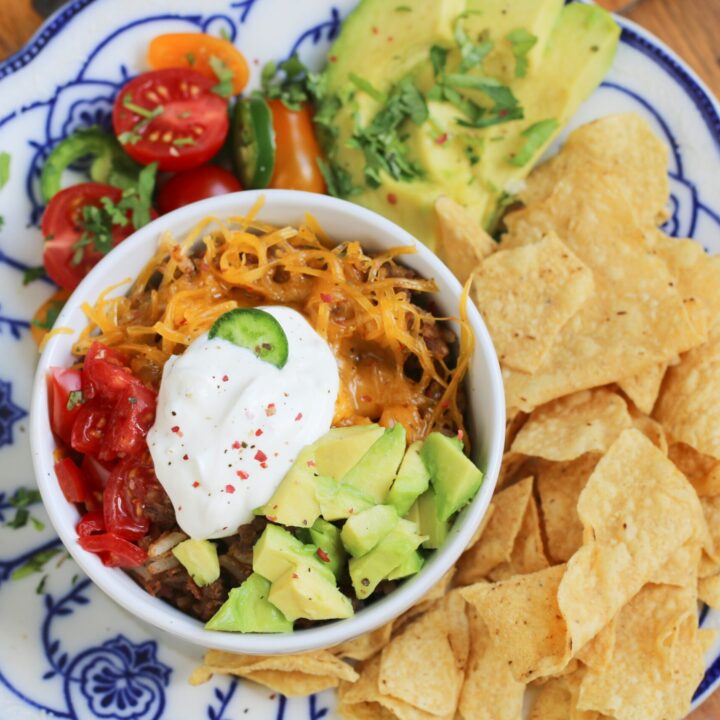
296,150
46,314
194,50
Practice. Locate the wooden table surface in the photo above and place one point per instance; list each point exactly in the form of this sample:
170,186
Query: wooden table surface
690,27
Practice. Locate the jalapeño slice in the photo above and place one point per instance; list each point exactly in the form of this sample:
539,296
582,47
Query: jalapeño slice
256,330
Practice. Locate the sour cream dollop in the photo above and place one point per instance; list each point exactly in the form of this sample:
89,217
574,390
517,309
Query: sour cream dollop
229,426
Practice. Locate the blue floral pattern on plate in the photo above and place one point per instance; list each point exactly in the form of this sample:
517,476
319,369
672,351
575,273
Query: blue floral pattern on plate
67,651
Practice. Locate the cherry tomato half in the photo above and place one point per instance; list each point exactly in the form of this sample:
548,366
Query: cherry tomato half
72,482
196,184
62,226
91,523
296,150
171,117
193,51
65,399
113,550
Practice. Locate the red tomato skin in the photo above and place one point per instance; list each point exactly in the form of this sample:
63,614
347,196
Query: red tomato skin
196,184
105,373
113,550
91,523
62,228
132,417
91,424
61,382
179,91
297,150
72,481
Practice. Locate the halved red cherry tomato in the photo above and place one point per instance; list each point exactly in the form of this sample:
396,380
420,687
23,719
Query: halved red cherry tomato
193,51
124,498
65,399
297,150
88,433
62,226
105,373
72,482
113,550
196,184
91,523
171,117
132,417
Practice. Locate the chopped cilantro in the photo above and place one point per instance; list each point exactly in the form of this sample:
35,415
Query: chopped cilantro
182,141
35,564
224,75
129,137
522,43
535,137
438,58
190,57
4,169
338,179
362,84
33,273
291,82
504,201
140,110
472,54
75,397
51,316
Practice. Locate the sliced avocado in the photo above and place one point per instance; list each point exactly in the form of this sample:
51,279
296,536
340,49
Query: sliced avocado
425,513
454,477
412,565
338,502
200,559
326,537
362,532
340,448
368,571
374,472
294,503
303,592
412,480
248,610
277,551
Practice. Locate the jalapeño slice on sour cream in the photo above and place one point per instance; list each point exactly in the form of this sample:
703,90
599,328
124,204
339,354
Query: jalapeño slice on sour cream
231,420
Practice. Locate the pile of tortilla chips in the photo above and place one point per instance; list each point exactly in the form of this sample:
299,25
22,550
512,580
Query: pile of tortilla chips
579,595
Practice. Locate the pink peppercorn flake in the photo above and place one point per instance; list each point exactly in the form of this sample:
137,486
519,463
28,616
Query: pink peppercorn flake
175,429
326,298
392,198
258,432
186,457
375,30
236,445
263,465
311,463
298,417
323,555
270,409
230,489
295,576
333,58
260,456
196,484
242,474
225,378
441,139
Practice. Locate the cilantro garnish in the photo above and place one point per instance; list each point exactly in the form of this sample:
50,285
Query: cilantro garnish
35,564
4,169
33,273
338,180
75,397
190,57
472,54
51,316
535,137
522,43
182,141
224,75
438,58
369,89
291,82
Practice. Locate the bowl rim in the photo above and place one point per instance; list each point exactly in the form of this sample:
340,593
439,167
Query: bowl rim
142,605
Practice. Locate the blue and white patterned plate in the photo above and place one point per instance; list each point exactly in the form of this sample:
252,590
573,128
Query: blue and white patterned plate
66,651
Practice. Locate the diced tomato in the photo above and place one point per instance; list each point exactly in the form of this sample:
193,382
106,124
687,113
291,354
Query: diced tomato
91,523
196,184
171,117
95,471
124,498
72,481
132,417
89,430
113,550
65,399
105,373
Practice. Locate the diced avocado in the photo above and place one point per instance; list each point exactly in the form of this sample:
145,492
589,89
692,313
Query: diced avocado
362,532
395,36
326,537
412,480
340,448
374,472
294,503
410,566
368,571
454,477
277,551
425,513
303,592
200,559
338,502
248,610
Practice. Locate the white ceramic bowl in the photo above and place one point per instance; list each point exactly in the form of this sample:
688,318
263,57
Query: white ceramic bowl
342,221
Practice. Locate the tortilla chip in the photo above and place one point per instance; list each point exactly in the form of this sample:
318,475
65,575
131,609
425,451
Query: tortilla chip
709,591
689,402
644,387
291,675
364,711
702,471
511,469
598,653
625,146
429,600
528,553
406,675
657,646
681,568
482,526
527,295
497,542
636,317
364,646
565,429
651,429
524,620
490,691
559,486
711,512
512,426
557,699
462,241
637,509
